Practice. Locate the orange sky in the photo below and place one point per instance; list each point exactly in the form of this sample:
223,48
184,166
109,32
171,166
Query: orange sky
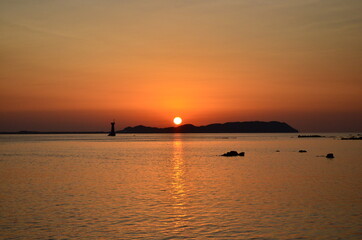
77,65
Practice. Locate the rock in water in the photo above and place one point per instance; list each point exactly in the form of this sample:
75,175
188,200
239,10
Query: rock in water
233,154
230,154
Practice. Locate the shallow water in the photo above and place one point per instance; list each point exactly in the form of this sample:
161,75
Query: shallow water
175,186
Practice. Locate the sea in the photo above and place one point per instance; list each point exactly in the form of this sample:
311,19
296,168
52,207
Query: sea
178,186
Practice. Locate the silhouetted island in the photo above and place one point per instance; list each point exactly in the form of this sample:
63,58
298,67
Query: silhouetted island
229,127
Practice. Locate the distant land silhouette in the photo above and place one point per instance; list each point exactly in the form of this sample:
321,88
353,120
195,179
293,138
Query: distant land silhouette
229,127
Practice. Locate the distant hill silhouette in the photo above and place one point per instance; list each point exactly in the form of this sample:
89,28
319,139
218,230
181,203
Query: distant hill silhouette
229,127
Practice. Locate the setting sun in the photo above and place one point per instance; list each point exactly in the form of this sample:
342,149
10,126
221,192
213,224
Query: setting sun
177,120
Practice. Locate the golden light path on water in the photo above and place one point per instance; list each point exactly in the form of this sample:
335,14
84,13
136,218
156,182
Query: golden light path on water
178,187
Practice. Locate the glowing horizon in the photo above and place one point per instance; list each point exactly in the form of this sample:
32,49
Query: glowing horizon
69,65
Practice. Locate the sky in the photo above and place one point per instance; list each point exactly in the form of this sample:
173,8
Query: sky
72,65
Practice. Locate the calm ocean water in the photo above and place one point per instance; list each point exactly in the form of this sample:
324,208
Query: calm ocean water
176,186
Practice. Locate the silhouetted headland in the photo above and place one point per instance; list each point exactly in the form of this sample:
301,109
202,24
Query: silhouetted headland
229,127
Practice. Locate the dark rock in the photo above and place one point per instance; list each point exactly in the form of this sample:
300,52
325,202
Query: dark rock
330,155
233,154
302,151
309,136
230,154
352,138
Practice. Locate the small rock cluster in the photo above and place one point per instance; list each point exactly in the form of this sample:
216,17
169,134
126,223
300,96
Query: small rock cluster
235,153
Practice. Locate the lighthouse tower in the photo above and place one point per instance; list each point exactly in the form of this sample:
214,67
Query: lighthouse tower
112,132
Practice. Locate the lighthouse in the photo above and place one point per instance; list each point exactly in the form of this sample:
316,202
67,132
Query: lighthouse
112,132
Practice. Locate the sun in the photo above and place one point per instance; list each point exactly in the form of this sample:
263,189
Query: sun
177,120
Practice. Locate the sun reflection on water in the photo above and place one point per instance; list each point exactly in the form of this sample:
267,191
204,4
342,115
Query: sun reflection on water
178,186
